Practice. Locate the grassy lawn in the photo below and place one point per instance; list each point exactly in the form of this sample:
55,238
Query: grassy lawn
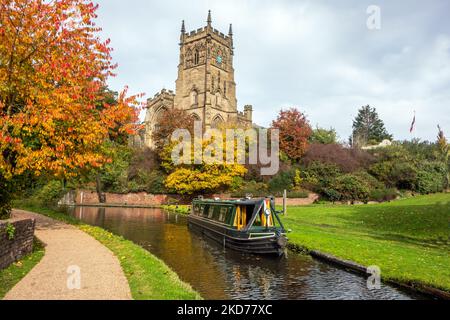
149,277
408,239
10,276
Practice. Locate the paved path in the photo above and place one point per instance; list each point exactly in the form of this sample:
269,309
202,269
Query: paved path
101,274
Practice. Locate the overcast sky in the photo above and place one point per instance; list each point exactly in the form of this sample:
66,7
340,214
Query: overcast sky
318,56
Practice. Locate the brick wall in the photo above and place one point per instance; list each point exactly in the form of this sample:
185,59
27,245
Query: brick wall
137,199
146,199
22,243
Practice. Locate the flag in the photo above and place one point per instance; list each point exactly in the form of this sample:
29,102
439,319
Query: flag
413,124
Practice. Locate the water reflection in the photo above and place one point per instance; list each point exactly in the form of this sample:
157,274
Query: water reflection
224,274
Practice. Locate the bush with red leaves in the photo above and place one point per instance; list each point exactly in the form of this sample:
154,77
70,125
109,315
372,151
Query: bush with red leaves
295,132
347,159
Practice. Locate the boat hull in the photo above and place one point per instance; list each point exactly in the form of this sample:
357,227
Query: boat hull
269,243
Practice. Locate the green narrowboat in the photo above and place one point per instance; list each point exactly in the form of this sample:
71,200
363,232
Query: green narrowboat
247,225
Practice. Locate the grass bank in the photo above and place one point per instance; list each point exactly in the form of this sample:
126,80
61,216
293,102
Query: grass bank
148,276
182,209
408,239
10,276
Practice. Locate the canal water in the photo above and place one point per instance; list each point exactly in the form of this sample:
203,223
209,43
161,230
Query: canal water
224,274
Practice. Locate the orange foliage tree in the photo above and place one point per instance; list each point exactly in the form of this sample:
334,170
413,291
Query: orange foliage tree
53,71
295,131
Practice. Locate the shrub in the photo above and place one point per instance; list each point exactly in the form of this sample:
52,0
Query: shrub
371,181
49,194
332,194
155,183
421,150
400,174
297,194
431,177
347,160
256,189
114,175
349,187
282,181
383,194
319,175
5,198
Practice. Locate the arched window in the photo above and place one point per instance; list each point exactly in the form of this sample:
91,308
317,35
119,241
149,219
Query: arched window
217,121
160,113
196,57
224,88
195,117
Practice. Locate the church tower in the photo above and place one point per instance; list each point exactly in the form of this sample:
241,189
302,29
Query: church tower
205,85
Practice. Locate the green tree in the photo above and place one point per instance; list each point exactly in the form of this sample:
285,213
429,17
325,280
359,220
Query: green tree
368,128
444,149
323,136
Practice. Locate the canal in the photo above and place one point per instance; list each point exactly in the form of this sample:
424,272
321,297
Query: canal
224,274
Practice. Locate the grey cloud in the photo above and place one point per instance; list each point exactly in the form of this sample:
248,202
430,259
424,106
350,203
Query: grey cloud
315,55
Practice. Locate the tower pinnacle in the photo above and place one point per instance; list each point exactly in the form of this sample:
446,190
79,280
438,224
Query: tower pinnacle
183,29
209,21
230,31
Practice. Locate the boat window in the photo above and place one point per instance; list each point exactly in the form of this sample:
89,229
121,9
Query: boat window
202,209
224,214
229,217
210,212
198,209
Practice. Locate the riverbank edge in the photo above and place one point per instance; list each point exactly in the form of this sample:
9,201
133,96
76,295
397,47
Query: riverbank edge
326,257
131,257
346,264
13,274
360,269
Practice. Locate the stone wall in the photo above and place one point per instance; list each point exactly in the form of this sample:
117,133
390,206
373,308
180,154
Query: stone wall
146,199
22,243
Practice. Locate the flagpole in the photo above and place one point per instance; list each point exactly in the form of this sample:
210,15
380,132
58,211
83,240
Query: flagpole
413,128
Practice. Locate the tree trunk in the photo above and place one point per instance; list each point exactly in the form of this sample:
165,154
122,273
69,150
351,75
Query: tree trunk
100,194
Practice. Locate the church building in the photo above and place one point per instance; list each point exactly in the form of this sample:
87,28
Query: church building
205,87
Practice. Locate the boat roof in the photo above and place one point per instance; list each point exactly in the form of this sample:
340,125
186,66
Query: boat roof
243,201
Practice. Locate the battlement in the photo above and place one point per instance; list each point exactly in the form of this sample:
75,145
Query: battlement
163,95
203,32
163,92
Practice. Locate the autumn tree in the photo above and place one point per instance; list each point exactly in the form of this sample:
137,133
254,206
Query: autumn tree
295,132
368,128
53,69
199,176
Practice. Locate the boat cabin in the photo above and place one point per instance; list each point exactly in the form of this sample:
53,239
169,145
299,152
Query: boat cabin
241,215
